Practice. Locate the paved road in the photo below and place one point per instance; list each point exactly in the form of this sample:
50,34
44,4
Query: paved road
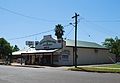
10,74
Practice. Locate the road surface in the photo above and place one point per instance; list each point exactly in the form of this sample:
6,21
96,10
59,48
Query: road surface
9,74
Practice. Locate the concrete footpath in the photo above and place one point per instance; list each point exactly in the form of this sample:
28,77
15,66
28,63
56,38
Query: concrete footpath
40,66
23,65
59,67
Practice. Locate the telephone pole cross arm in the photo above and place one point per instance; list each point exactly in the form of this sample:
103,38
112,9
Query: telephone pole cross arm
76,15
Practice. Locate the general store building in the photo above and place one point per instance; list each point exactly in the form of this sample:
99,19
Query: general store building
49,51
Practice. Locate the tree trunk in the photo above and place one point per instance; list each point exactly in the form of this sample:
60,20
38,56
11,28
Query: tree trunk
116,58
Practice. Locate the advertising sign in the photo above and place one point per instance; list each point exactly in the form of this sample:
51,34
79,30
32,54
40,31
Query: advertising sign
47,43
30,43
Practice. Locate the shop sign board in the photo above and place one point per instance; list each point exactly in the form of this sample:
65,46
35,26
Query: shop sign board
47,43
30,43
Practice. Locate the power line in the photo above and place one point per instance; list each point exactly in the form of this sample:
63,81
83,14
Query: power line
66,25
103,29
103,20
69,32
31,35
100,20
72,27
30,17
35,34
116,20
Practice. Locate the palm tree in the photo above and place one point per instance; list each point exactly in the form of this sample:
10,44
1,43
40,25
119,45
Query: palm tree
59,32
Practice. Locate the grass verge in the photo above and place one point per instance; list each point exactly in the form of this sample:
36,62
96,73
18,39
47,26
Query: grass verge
112,66
100,69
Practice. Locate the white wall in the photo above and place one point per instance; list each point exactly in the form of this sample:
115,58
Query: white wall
87,56
69,61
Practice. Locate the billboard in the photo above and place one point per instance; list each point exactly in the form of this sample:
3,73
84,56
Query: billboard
30,43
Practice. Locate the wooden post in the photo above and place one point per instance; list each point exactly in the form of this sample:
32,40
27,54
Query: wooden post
21,59
52,59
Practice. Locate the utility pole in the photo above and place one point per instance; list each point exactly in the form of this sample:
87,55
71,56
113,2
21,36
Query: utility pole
76,15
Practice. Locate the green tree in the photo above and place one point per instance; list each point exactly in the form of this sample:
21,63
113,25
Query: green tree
59,32
113,45
15,48
5,49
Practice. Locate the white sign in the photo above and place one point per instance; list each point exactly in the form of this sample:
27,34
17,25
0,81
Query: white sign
30,43
47,43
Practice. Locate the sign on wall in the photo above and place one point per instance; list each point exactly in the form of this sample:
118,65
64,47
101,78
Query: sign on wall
47,43
65,55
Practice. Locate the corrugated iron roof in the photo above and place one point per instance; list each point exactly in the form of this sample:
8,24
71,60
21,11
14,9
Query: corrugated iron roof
83,44
32,50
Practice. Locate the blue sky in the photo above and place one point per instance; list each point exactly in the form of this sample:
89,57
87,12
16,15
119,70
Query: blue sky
99,19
